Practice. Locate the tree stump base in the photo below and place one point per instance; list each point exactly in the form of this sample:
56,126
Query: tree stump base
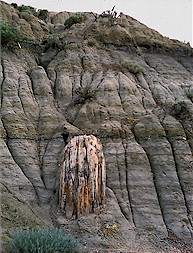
83,177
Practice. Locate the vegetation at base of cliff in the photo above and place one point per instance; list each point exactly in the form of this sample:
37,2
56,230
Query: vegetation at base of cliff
11,36
74,19
46,240
42,14
54,41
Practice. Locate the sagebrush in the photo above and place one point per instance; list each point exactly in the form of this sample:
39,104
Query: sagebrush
44,240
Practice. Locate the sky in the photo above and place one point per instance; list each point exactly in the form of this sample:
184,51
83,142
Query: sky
172,18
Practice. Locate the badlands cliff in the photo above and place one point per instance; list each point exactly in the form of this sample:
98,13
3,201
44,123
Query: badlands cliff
122,82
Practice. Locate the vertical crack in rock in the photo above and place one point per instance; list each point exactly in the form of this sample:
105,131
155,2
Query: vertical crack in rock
142,82
23,202
117,176
182,186
51,160
54,87
19,96
25,173
143,195
78,98
187,124
82,71
151,136
29,166
183,164
28,105
18,128
32,87
4,132
155,180
83,177
2,73
119,89
127,184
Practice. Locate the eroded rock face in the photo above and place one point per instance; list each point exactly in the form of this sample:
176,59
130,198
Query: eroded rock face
142,114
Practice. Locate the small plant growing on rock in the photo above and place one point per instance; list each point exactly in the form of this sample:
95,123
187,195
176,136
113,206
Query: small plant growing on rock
44,240
111,229
150,229
111,14
84,94
54,41
190,95
179,108
74,19
92,42
133,67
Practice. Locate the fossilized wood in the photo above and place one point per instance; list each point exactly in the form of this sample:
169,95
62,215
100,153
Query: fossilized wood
83,177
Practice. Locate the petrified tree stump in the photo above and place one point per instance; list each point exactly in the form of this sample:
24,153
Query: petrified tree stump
83,177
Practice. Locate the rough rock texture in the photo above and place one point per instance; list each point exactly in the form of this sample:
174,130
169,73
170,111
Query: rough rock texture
83,177
123,83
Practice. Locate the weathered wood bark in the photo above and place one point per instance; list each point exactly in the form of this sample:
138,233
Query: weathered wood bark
83,177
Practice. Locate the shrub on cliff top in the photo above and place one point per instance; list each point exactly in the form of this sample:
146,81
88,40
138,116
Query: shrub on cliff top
28,9
46,240
74,19
42,14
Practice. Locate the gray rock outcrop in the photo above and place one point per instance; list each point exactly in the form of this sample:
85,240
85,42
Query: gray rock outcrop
123,83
